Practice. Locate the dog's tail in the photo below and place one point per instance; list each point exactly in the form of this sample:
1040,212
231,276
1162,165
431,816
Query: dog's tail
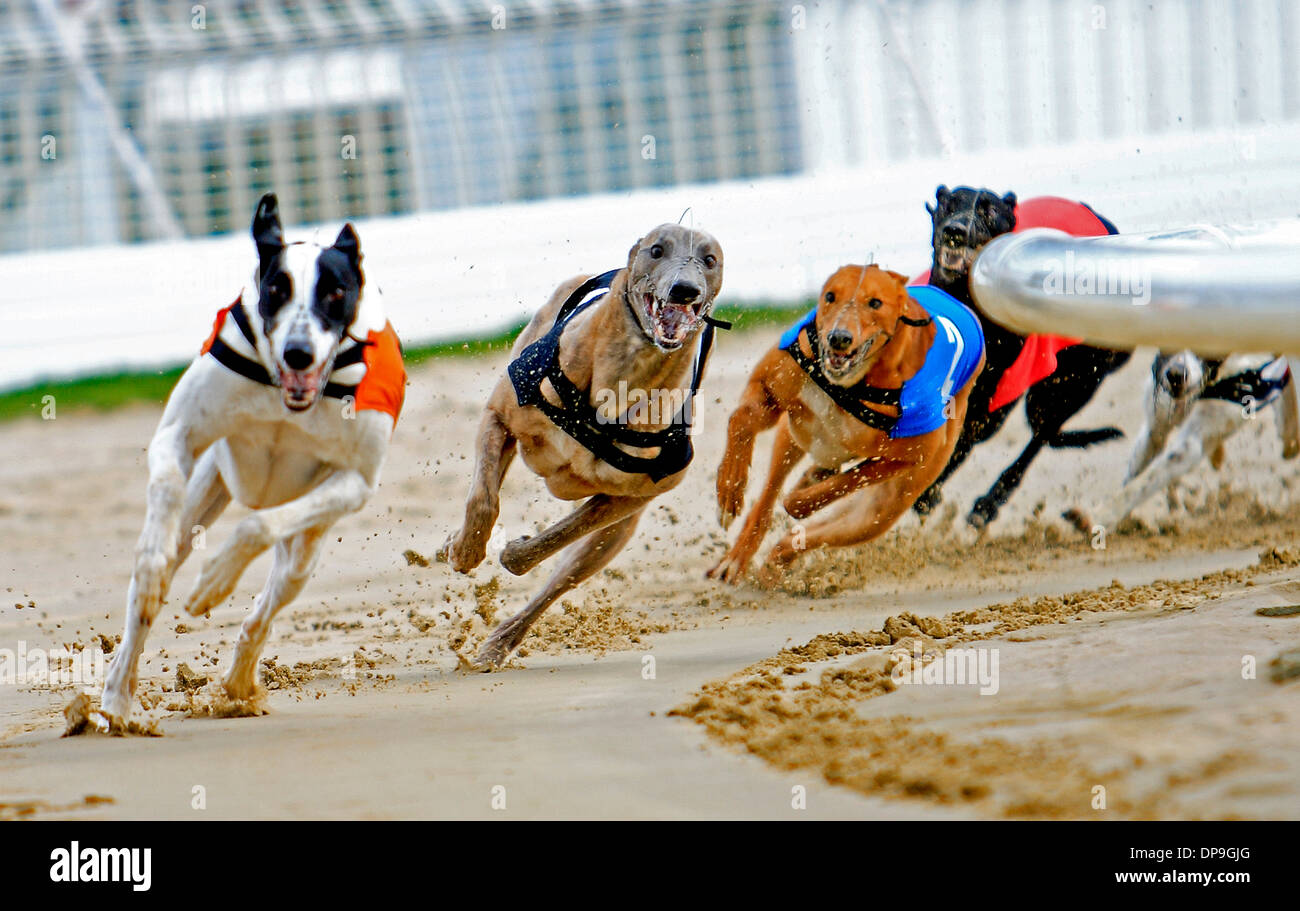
1077,439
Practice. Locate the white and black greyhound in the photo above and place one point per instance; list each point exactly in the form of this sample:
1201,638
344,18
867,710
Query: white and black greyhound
1193,406
288,409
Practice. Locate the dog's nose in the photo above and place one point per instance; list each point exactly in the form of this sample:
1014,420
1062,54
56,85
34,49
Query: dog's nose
839,339
298,357
682,293
1176,379
956,234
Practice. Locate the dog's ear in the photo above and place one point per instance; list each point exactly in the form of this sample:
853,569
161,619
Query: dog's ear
899,277
631,254
349,244
940,194
268,234
1010,200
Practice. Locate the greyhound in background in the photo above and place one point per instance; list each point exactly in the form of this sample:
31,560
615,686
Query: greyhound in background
1193,407
964,220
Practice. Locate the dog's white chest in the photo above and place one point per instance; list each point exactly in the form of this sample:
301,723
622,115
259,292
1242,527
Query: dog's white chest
266,463
816,436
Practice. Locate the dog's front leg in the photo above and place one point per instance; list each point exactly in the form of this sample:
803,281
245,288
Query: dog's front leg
496,449
340,493
580,562
756,412
295,557
786,454
598,512
170,462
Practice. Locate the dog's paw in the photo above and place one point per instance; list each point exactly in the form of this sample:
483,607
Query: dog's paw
462,557
731,568
494,652
115,704
515,556
1078,519
216,581
982,513
205,595
799,504
731,500
726,517
927,502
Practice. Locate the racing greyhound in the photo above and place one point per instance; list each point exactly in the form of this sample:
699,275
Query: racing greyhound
288,409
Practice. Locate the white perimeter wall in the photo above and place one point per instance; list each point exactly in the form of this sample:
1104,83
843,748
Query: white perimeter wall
1159,115
460,274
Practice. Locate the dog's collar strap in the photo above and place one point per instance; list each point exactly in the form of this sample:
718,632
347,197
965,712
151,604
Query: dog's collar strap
853,399
253,370
1260,386
577,417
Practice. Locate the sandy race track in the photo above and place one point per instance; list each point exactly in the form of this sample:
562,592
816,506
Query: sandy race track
1135,685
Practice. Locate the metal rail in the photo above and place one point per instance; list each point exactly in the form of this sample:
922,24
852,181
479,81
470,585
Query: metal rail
1214,289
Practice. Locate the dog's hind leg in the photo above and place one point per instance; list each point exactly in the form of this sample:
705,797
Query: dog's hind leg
786,454
206,497
597,512
986,508
291,567
977,428
804,501
496,450
864,514
580,561
1048,405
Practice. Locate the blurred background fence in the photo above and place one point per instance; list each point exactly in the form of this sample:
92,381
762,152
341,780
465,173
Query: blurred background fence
489,150
353,108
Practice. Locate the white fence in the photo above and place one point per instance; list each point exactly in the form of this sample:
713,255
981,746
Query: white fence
450,275
803,135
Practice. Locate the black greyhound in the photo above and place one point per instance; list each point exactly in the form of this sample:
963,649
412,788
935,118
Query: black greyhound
964,220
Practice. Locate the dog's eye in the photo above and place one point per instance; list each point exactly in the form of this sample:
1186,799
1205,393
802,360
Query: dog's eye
656,251
710,261
830,297
875,303
333,304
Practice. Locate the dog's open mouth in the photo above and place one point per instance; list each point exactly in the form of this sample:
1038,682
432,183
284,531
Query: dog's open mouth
841,365
956,259
301,388
671,323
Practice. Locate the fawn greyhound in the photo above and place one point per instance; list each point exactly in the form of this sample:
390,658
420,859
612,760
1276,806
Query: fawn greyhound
636,325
